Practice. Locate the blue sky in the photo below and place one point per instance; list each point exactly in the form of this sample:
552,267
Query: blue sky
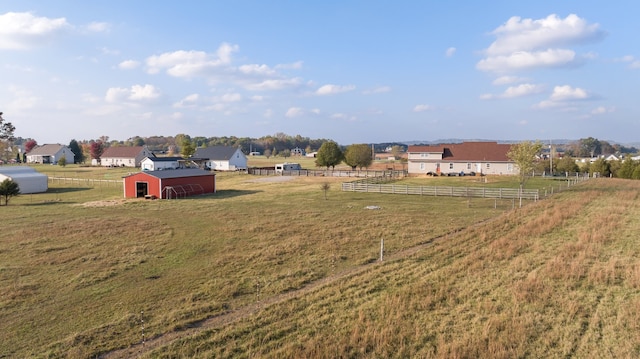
351,71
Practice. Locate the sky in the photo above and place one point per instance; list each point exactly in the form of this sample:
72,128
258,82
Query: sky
350,71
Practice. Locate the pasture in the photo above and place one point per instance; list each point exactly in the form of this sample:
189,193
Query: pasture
273,269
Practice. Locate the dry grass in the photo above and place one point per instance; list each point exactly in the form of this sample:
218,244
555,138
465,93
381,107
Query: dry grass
556,278
569,288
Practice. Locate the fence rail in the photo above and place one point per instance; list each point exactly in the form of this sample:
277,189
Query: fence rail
86,182
503,193
326,173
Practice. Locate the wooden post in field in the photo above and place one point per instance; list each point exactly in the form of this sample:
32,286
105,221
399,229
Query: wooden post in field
381,248
142,325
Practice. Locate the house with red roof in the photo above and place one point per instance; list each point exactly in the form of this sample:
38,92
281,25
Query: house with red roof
488,158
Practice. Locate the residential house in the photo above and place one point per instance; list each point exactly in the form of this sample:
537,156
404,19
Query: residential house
50,153
298,152
123,156
489,158
162,163
220,158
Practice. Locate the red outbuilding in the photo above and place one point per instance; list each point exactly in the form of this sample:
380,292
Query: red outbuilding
169,184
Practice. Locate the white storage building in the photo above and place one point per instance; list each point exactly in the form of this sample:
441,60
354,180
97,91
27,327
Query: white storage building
28,179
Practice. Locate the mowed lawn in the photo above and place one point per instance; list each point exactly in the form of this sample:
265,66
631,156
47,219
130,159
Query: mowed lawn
86,272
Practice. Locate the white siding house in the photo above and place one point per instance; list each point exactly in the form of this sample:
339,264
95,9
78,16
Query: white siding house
489,158
221,158
124,156
50,153
161,163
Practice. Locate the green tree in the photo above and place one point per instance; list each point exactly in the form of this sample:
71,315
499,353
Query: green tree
601,167
567,164
6,137
396,151
8,189
329,155
524,155
636,173
78,156
286,153
6,130
590,146
627,168
62,161
187,149
358,155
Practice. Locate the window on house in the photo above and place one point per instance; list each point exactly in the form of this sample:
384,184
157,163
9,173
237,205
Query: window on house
422,166
488,165
509,167
450,166
468,166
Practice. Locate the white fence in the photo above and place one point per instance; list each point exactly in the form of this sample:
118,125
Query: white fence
86,182
505,193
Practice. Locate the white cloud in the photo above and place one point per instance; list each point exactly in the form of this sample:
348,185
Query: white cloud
379,89
516,91
334,89
135,93
568,93
450,51
23,99
128,65
108,51
231,97
19,31
294,112
188,101
422,108
274,84
256,69
602,110
633,62
99,27
344,117
527,43
507,80
522,60
293,66
190,63
519,34
146,92
116,94
564,96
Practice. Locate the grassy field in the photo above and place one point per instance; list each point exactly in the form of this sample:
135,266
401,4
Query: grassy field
272,269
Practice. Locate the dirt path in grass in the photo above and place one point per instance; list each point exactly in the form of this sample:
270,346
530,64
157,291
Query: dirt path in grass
139,349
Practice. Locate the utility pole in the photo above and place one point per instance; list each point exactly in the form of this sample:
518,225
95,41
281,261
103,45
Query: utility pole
551,158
